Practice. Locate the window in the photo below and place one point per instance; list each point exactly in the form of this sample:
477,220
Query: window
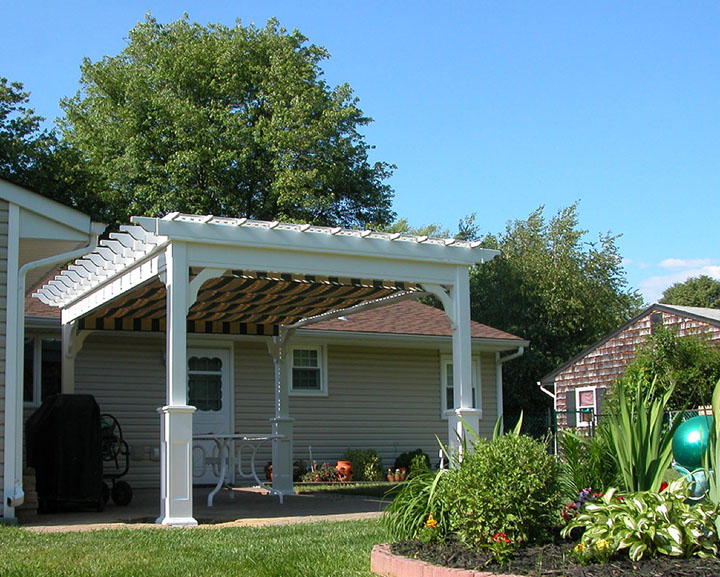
586,406
308,371
205,379
448,384
43,368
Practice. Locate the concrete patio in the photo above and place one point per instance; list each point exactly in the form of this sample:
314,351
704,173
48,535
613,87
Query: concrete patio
239,507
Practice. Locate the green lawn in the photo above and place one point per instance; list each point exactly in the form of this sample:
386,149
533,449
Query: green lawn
324,549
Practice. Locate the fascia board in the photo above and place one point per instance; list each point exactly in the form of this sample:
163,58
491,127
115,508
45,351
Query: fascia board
45,207
297,241
327,264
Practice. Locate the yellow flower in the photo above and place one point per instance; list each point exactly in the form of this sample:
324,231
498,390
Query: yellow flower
579,548
602,544
431,523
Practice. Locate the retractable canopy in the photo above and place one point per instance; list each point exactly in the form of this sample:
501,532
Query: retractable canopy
247,276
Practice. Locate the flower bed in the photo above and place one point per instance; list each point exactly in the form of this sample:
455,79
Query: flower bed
414,558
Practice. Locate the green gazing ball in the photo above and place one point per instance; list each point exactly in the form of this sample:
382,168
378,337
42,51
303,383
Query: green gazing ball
690,441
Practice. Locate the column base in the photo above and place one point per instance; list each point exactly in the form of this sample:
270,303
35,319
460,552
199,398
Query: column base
177,521
282,455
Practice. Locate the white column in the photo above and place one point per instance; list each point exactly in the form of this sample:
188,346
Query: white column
462,362
176,504
72,342
282,424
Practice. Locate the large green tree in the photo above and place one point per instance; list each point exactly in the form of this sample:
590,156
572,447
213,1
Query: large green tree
225,120
701,291
552,287
23,142
33,157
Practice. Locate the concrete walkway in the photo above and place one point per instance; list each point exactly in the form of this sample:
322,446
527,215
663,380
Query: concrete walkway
237,508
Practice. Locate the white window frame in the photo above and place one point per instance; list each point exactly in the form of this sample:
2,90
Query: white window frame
446,360
579,421
38,339
322,365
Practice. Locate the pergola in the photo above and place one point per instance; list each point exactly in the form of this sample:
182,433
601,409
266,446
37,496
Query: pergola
186,274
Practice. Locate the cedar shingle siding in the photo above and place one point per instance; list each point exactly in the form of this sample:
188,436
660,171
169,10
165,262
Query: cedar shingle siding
604,362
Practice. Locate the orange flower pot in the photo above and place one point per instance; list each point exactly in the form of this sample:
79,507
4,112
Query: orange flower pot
344,471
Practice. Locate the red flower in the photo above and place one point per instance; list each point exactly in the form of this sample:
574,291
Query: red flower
663,486
501,538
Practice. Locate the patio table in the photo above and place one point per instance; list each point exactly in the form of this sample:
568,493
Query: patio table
226,444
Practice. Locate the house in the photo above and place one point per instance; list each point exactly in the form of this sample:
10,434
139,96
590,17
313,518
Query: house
36,236
578,387
308,335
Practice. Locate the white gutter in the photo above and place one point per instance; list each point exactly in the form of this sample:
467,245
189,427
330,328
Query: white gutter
13,494
499,361
547,392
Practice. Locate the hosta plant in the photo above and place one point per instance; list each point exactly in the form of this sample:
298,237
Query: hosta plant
648,523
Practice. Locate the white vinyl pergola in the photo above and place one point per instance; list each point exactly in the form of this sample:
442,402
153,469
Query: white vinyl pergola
203,274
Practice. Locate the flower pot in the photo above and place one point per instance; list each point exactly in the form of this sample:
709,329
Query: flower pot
391,478
344,471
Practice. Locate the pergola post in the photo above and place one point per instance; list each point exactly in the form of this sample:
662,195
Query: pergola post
462,363
456,303
176,503
282,424
72,342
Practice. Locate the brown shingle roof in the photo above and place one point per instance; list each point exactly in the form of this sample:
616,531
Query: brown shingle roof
406,318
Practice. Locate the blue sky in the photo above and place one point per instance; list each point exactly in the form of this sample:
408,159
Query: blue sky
492,108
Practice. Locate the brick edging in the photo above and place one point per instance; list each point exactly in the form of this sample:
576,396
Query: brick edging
385,564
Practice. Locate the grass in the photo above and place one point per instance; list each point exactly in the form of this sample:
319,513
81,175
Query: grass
369,489
329,549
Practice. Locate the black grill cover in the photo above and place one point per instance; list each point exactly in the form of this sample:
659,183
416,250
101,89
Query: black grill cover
64,447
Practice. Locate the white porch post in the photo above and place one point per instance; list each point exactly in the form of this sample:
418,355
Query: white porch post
462,362
72,342
456,303
176,504
282,424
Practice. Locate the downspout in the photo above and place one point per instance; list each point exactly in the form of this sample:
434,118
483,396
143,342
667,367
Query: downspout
553,396
14,496
499,361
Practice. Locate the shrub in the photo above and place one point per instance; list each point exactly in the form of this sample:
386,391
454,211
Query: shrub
647,522
405,460
325,473
417,505
366,464
508,485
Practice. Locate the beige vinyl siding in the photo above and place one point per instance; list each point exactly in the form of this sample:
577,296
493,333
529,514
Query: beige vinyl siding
3,331
387,399
126,374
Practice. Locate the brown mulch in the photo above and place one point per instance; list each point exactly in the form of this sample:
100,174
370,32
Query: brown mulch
554,560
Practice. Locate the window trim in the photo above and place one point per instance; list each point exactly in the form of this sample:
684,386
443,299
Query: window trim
322,365
38,339
579,422
445,360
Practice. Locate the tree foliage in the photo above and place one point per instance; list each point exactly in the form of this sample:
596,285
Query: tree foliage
701,291
690,365
553,288
233,121
23,143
